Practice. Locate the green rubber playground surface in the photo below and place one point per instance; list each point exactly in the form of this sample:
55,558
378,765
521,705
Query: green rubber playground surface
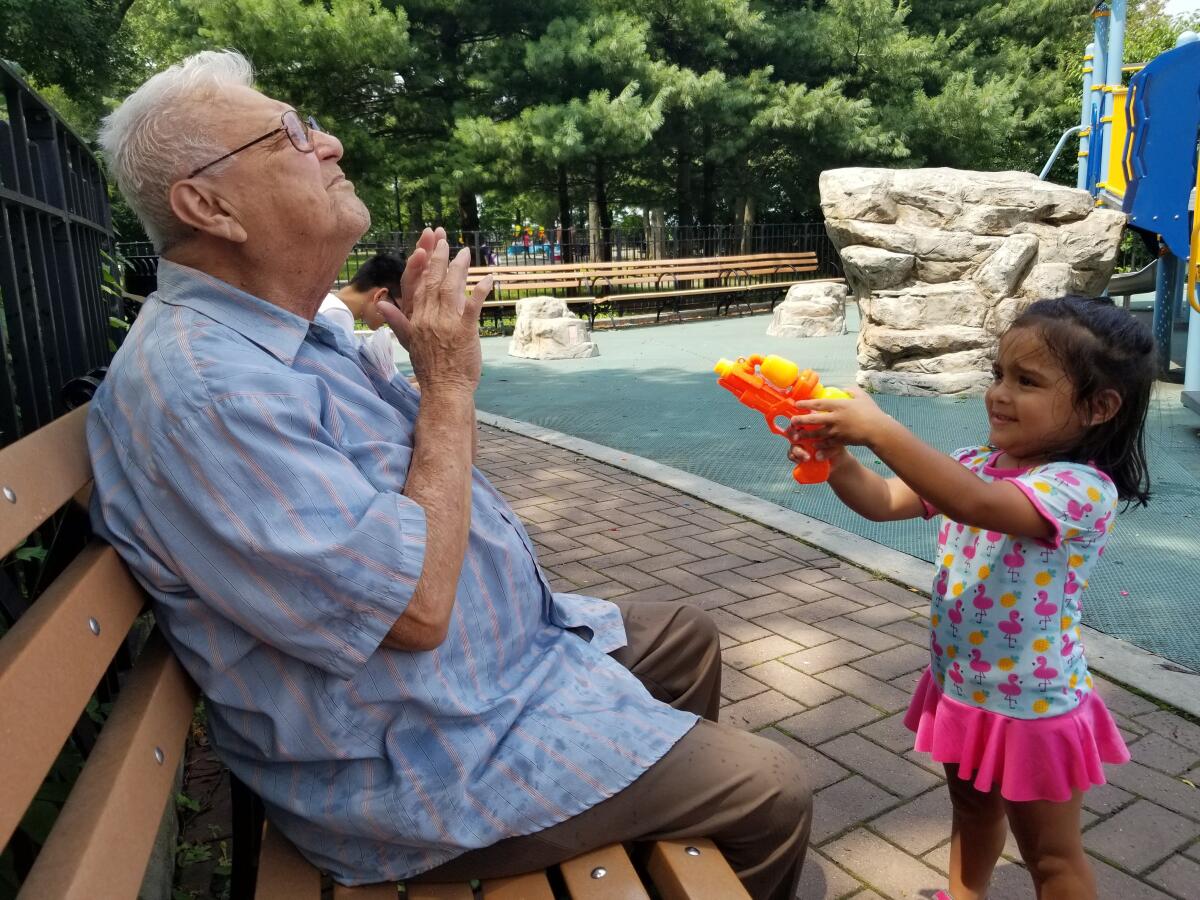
652,392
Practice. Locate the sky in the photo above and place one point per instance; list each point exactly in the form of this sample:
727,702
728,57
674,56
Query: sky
1175,7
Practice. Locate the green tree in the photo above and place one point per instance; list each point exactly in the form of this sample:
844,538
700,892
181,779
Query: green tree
578,100
717,83
76,45
1151,31
717,110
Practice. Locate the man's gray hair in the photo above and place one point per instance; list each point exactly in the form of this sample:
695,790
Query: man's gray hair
158,136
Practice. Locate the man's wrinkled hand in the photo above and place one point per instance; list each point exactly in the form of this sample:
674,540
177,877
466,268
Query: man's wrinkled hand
414,268
440,330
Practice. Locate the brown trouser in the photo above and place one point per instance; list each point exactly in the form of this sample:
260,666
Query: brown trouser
744,792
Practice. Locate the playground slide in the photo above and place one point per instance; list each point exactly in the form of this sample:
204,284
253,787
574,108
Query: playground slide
1143,281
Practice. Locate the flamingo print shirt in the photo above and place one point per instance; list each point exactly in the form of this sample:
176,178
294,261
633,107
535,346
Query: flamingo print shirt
1006,610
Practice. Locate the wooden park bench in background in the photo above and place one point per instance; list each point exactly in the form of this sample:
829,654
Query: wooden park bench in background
602,288
87,628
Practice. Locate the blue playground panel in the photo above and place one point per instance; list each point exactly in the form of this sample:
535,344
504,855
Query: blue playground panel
1160,152
652,392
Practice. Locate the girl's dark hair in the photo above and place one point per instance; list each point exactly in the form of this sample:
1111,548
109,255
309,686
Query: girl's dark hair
1101,347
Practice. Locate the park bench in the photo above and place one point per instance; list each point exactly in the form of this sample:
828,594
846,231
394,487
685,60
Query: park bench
90,627
603,287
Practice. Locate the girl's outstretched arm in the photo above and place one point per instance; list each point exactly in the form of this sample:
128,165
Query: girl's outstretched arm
941,481
867,493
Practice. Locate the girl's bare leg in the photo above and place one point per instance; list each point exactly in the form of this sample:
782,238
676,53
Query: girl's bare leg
977,836
1052,846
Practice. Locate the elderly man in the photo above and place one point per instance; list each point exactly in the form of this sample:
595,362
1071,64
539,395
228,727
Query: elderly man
383,660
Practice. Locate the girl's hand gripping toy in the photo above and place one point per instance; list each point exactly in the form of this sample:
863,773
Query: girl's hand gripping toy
772,385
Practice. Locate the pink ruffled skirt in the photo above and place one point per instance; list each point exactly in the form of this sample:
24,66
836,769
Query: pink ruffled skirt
1030,759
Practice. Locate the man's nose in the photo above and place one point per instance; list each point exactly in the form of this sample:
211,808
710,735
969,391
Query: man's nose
328,146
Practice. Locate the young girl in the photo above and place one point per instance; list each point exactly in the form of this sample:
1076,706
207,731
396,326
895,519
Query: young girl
1007,702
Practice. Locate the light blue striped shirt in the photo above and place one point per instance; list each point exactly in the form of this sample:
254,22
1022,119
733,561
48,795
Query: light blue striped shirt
249,467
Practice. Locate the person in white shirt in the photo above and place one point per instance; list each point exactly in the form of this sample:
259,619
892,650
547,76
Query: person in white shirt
376,281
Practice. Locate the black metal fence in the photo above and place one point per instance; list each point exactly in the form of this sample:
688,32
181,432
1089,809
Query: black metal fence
54,232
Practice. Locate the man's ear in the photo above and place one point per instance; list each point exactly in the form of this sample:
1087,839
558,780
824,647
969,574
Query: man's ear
378,295
1105,405
198,206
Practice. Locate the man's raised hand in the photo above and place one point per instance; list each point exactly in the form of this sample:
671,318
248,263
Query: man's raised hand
441,328
410,282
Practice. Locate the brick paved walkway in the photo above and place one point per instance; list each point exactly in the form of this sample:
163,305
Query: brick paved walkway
821,656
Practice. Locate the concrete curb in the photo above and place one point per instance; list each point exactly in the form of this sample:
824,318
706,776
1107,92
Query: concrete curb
1112,657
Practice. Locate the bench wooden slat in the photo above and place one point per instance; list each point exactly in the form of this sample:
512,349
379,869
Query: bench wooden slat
50,664
383,891
603,286
283,874
657,266
694,260
669,281
665,292
522,277
531,886
679,875
807,255
620,881
670,278
690,292
564,285
439,892
103,837
587,277
43,471
644,274
681,271
512,304
526,280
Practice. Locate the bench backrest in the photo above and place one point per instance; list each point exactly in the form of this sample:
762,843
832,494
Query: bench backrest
51,661
602,278
653,264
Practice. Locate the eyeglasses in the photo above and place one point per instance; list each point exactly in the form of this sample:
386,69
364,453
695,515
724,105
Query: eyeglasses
299,132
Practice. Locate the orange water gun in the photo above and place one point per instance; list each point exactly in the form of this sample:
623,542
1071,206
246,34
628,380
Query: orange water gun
772,385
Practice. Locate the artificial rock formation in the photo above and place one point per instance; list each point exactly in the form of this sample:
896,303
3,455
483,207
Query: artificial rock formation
943,260
811,309
547,329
